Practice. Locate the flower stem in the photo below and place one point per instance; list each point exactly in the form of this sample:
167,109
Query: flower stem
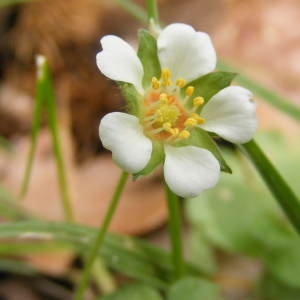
134,10
175,233
96,245
152,11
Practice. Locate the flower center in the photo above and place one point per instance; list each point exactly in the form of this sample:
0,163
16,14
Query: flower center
166,115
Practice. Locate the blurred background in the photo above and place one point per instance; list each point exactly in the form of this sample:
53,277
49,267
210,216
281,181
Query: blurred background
260,38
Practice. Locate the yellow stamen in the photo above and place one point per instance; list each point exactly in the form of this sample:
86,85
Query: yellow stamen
199,119
163,97
184,134
198,101
167,126
189,90
180,82
174,131
190,122
165,74
155,83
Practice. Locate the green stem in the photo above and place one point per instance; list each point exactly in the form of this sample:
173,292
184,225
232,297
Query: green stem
96,245
37,112
175,233
277,185
152,11
133,10
61,172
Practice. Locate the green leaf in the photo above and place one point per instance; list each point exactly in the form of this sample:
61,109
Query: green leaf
283,104
275,182
193,289
147,53
16,267
202,139
131,96
5,144
284,263
271,288
157,157
133,292
131,257
209,84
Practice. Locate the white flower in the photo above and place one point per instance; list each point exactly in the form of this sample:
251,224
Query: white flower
169,110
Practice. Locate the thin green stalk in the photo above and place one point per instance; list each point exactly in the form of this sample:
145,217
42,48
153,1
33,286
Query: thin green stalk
52,120
96,245
152,11
134,10
36,123
276,183
281,103
175,233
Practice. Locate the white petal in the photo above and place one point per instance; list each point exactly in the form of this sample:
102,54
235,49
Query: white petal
118,61
123,135
190,170
231,114
187,53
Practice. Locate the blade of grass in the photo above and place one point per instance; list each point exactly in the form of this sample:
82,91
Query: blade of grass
134,10
276,183
16,267
129,256
6,144
281,103
35,127
48,94
12,2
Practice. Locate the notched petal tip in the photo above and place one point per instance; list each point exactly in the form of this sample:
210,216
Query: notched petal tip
119,61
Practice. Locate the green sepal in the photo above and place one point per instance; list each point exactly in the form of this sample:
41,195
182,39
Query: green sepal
147,53
202,139
157,157
132,97
208,85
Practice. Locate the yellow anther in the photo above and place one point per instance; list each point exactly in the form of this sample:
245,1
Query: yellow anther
190,122
165,74
155,83
163,97
174,131
201,120
167,126
189,90
198,101
180,82
197,118
184,134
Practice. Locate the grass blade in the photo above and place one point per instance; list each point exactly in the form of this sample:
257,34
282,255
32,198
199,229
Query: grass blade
281,103
48,95
129,256
276,183
35,127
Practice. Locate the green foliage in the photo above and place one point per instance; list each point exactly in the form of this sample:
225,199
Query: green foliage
147,53
131,257
240,216
157,157
131,96
193,289
5,144
134,292
208,85
202,139
276,183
